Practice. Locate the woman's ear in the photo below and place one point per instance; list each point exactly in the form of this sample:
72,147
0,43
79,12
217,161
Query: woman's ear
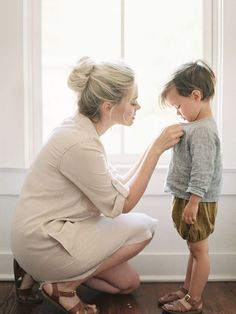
105,106
196,94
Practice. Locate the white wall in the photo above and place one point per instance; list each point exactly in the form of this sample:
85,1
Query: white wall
165,257
11,85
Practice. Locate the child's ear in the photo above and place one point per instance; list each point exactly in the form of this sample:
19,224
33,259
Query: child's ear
196,94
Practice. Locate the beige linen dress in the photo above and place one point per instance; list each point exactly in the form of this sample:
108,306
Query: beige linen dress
69,217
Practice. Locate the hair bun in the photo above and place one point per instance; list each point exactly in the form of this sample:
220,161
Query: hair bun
80,75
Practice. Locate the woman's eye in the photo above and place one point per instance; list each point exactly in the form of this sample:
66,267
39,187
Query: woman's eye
135,103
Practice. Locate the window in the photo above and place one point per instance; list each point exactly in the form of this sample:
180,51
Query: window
153,36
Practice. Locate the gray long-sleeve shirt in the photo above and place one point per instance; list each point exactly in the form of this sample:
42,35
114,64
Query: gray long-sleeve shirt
195,166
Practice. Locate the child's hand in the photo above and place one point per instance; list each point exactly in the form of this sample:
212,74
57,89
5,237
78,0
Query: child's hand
190,211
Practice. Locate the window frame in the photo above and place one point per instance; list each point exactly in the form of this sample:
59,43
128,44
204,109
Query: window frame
212,42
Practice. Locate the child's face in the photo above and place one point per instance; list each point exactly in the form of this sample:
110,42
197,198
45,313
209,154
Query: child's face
188,107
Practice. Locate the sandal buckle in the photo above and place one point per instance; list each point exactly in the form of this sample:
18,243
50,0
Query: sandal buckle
187,297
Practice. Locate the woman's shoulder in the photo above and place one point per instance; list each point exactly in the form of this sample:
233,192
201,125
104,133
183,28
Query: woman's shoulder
75,131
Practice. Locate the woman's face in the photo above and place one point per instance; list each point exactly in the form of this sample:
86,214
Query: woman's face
124,112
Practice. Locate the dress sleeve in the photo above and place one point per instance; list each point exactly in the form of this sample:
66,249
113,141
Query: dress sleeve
85,165
203,153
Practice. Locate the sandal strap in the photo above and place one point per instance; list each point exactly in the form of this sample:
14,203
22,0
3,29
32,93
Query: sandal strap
185,291
81,307
57,293
183,306
192,302
172,296
77,308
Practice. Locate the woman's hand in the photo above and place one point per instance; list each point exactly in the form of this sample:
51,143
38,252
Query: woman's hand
169,137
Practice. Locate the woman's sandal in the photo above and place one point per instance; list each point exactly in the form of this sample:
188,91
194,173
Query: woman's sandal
80,307
185,305
173,296
29,295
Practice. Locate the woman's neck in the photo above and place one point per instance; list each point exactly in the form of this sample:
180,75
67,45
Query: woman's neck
101,126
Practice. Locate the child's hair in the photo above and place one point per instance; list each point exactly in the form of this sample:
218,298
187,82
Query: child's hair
190,76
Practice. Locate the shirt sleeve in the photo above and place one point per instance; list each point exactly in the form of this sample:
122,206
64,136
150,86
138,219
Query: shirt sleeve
203,152
85,165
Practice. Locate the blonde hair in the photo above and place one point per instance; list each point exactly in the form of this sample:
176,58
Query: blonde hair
96,82
190,76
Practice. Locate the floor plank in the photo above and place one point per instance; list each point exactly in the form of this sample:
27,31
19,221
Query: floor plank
219,298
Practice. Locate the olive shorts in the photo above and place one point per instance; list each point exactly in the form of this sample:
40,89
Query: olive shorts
204,225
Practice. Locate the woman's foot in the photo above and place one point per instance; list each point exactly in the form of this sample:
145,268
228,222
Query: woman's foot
185,305
173,296
66,298
24,285
26,282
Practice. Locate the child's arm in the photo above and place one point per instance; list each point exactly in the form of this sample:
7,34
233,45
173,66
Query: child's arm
203,150
190,211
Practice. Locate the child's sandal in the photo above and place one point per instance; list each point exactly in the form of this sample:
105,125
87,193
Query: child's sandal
173,296
185,305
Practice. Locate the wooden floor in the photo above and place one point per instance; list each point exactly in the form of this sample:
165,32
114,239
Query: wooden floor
219,298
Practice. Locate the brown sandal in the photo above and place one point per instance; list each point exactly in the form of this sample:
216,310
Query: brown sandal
173,296
185,305
29,295
80,307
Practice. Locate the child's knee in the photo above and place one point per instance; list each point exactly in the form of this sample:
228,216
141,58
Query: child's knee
198,248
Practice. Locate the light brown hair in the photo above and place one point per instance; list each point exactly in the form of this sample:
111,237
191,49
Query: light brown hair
191,76
96,82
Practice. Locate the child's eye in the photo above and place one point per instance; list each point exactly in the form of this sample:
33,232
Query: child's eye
177,106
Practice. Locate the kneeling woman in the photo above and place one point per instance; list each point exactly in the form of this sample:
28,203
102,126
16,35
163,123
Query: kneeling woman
72,224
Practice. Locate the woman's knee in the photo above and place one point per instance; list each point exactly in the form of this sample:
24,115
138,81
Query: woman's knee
135,282
130,283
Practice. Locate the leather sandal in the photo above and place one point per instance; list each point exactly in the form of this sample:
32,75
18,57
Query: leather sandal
172,296
29,295
185,305
79,308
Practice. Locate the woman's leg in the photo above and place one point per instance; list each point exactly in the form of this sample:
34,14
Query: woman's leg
119,257
121,279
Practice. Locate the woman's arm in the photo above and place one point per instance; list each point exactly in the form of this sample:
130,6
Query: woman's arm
139,181
131,172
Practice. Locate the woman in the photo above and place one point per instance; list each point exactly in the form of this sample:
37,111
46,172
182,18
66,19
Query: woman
71,224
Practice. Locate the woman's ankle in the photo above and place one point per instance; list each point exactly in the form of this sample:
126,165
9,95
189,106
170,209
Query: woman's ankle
68,286
27,282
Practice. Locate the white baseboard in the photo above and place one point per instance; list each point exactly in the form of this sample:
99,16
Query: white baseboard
156,267
170,267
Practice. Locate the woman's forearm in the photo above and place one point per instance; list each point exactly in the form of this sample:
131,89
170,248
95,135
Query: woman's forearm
138,183
132,172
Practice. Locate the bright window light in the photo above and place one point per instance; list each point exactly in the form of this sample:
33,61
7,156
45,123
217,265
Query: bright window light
154,37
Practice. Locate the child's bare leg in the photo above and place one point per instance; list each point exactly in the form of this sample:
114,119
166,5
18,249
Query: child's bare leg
200,268
197,278
188,272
